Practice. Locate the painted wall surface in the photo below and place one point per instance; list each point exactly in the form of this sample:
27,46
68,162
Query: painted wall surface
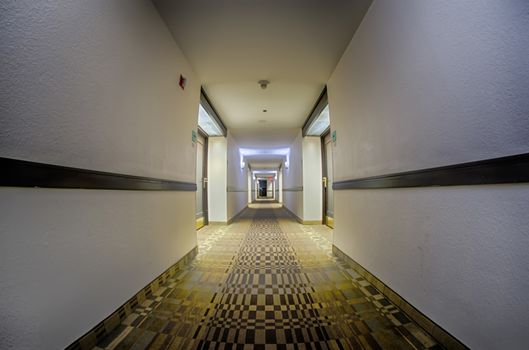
312,179
91,85
254,191
293,179
249,187
95,85
270,189
427,84
237,179
68,258
280,183
217,179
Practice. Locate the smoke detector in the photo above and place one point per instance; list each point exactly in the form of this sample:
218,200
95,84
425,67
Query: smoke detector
263,84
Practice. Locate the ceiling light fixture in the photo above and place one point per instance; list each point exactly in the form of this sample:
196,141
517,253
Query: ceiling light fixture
264,173
244,152
263,84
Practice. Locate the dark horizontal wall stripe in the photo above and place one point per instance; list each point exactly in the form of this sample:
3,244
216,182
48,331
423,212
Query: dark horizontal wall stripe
510,169
293,189
21,173
236,190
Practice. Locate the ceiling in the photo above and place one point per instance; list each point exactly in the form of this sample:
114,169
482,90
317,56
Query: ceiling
265,139
232,44
264,163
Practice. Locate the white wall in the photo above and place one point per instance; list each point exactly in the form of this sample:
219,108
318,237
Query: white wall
92,85
293,179
249,186
270,189
237,179
253,189
68,258
217,179
280,183
87,84
427,84
312,179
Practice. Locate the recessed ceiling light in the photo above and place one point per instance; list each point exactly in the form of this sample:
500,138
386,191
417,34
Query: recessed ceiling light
265,110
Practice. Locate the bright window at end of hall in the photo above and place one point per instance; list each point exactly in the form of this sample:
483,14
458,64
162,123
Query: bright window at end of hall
320,124
207,123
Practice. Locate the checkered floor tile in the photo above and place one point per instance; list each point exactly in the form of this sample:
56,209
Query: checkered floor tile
267,282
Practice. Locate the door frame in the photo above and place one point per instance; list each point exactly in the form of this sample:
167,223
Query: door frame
325,179
204,180
259,182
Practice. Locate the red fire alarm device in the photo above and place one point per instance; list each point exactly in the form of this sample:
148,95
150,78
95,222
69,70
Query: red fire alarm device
182,82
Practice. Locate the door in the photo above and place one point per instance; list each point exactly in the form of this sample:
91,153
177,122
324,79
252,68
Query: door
201,212
328,194
262,188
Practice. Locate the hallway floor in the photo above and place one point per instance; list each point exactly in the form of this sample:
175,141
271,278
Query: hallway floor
269,281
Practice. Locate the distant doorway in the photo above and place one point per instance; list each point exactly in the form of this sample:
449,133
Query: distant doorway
262,189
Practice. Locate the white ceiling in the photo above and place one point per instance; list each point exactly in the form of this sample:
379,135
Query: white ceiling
268,138
261,162
265,138
265,165
232,44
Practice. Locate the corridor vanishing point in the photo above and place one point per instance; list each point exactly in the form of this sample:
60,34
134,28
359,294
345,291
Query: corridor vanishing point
264,174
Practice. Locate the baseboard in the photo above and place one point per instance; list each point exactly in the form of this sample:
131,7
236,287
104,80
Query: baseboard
298,219
218,223
224,223
199,223
105,327
301,221
236,216
329,221
311,222
437,332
